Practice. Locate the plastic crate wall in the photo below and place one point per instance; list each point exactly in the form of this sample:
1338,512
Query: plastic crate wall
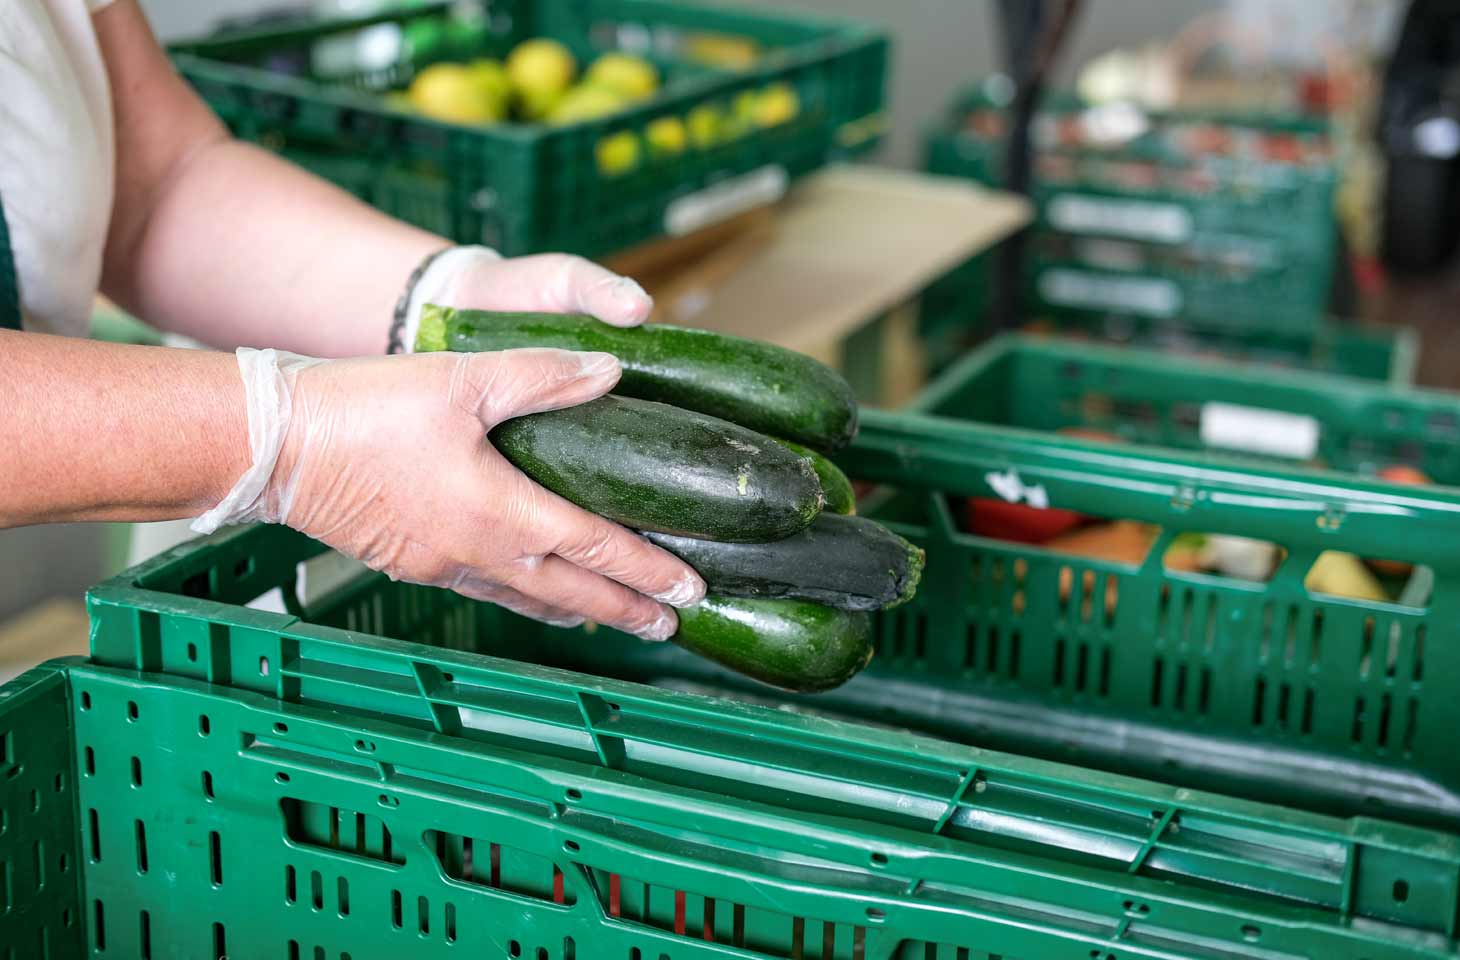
525,188
1240,242
288,746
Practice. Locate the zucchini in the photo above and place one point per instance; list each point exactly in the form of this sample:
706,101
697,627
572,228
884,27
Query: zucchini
757,385
655,467
798,646
847,562
840,497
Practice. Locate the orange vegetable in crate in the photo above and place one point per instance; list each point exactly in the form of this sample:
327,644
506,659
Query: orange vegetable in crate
1398,473
1404,473
1090,433
1124,541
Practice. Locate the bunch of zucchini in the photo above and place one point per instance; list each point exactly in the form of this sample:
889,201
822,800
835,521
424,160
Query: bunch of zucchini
682,451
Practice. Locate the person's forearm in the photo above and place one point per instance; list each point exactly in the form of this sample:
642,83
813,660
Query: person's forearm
227,243
244,249
93,431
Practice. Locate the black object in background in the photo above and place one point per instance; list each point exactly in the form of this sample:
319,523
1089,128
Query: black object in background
1032,32
1419,133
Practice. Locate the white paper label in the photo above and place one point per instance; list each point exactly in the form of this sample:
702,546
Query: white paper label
1136,219
725,199
1012,488
1146,296
1234,427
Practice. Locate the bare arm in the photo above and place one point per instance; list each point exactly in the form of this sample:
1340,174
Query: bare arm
233,246
227,243
94,431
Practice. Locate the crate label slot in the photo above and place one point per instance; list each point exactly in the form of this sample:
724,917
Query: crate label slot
1136,219
728,198
1255,430
1146,296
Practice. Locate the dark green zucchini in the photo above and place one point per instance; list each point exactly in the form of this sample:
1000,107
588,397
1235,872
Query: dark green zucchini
656,467
847,562
804,647
840,497
757,385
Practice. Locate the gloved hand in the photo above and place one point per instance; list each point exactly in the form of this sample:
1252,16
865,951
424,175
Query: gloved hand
386,459
478,278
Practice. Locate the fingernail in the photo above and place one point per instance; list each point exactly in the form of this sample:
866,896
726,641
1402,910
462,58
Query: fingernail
628,292
598,364
661,629
686,592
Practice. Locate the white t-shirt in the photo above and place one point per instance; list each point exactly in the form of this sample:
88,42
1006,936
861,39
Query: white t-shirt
56,158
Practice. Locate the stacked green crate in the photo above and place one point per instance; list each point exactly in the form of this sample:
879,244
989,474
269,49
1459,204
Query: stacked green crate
1221,222
1217,229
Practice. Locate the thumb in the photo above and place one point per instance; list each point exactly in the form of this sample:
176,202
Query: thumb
513,383
563,283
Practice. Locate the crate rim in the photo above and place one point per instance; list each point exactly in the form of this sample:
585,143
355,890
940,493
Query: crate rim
1007,343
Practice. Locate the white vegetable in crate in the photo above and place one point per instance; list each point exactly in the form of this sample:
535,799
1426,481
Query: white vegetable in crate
1239,557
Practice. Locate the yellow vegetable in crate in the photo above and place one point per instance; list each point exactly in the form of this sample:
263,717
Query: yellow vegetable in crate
631,77
586,103
618,153
777,104
536,105
666,137
540,70
741,119
1343,575
721,50
491,79
448,91
706,125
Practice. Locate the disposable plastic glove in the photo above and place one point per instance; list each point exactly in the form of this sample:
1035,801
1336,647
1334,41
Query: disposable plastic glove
387,459
478,278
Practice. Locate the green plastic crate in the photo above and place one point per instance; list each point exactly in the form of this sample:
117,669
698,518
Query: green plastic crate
953,318
1342,423
1190,175
232,773
524,188
1238,241
1385,354
1289,297
482,808
1261,689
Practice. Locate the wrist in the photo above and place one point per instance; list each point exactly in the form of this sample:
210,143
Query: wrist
262,492
435,281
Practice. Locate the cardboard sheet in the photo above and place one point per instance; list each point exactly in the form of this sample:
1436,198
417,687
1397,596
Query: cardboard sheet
847,245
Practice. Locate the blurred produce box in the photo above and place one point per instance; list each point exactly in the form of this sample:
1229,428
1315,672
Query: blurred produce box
535,125
1220,223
